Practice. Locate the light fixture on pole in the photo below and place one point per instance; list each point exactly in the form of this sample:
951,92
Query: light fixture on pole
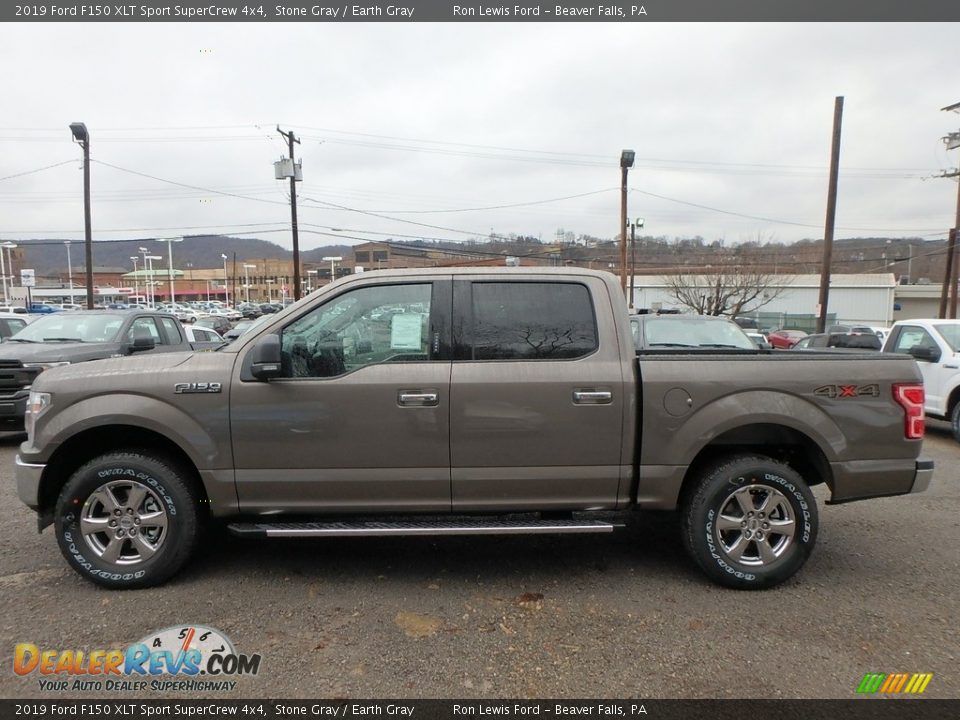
81,136
136,288
246,279
169,242
626,162
226,282
310,280
69,270
153,293
333,265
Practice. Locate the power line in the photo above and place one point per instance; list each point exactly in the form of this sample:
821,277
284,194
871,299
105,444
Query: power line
36,170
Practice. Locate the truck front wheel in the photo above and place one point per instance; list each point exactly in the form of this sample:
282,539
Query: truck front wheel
955,421
127,520
750,522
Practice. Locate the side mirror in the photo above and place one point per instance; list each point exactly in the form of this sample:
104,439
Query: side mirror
765,346
265,358
143,342
926,354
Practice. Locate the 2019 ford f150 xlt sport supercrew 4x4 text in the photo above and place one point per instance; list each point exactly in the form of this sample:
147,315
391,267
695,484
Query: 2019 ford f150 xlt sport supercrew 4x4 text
464,401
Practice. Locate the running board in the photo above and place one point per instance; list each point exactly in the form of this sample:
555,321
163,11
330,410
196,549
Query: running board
421,527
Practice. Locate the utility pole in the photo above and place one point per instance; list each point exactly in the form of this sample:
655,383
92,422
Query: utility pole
949,289
82,136
291,139
831,215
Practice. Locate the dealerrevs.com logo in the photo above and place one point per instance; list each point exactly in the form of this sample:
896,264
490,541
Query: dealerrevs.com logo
179,658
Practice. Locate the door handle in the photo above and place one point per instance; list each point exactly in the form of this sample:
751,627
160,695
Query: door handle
592,397
416,398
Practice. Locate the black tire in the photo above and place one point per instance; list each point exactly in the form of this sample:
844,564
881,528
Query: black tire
146,500
744,551
955,421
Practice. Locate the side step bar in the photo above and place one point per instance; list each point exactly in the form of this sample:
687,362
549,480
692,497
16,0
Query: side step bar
477,526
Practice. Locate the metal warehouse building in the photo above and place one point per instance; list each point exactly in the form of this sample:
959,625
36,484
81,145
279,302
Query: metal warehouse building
865,299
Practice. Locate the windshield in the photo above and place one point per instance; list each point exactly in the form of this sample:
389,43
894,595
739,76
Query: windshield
695,332
71,327
951,334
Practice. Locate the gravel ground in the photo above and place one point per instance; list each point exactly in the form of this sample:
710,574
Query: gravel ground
621,615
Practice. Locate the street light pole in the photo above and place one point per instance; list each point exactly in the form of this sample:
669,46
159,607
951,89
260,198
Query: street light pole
626,162
81,136
246,280
8,246
136,288
333,266
153,292
169,242
226,282
69,270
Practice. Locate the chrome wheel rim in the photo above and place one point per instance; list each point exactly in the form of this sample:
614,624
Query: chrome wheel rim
124,522
756,525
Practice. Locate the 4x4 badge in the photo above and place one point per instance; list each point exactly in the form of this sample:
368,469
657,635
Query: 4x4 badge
847,391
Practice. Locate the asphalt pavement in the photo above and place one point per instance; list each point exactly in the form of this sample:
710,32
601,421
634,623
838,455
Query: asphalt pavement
601,616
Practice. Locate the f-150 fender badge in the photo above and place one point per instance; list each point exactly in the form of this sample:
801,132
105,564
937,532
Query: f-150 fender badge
197,387
847,391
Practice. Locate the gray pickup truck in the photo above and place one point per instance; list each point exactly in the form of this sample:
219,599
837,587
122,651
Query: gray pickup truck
469,401
67,338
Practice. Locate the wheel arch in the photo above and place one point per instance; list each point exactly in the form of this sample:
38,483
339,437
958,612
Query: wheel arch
778,442
79,449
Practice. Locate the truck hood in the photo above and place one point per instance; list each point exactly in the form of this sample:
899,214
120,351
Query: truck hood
111,370
72,352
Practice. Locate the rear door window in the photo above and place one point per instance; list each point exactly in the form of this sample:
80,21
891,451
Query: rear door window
531,321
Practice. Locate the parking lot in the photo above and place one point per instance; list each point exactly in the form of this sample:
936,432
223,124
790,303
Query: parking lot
569,616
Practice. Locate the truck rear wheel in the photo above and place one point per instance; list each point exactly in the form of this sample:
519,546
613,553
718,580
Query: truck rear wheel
127,520
750,522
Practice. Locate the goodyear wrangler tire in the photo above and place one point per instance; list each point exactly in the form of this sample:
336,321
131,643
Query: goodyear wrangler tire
955,421
750,523
127,520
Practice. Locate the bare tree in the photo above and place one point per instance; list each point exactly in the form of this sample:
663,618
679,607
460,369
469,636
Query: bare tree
729,290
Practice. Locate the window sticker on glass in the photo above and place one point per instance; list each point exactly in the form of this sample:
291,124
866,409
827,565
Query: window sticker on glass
405,332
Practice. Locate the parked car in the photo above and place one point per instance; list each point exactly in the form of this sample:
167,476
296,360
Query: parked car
201,338
839,341
70,306
244,326
68,338
12,323
219,323
686,332
935,345
43,309
785,339
517,391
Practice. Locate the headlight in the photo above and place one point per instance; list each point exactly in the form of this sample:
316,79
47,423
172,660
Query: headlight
37,404
45,365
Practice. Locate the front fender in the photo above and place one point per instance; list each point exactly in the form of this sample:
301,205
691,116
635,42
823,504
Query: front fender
203,434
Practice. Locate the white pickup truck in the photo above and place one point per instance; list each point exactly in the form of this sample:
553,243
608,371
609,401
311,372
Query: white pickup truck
935,344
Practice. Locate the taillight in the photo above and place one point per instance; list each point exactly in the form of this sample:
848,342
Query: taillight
910,398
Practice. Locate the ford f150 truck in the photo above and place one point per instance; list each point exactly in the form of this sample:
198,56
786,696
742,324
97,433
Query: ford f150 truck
66,338
935,344
472,401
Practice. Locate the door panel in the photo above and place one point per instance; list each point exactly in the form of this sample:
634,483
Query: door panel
544,431
360,422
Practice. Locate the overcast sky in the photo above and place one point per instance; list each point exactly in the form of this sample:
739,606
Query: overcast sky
405,121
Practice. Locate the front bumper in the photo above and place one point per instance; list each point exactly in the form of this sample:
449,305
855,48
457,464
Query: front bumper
28,482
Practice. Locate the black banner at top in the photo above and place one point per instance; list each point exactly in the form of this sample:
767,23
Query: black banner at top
312,11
